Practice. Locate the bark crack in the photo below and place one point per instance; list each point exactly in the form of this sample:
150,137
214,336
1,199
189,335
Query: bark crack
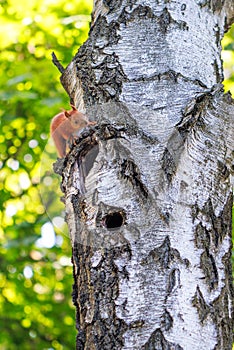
157,341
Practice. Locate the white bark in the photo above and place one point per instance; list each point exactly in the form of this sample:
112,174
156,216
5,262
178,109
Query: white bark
157,167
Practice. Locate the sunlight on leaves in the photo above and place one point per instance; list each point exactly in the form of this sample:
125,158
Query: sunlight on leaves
35,281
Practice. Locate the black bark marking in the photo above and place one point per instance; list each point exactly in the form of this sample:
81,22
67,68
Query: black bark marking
164,20
187,123
172,76
217,71
226,217
202,308
112,5
192,113
157,341
209,268
141,12
160,255
75,262
102,31
183,7
172,155
218,35
163,256
194,212
202,237
112,77
130,172
221,225
223,318
173,280
166,321
123,250
168,165
124,272
223,171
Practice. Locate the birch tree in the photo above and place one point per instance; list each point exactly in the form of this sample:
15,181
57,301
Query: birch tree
148,190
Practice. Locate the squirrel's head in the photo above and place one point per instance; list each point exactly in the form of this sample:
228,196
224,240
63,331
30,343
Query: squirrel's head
77,119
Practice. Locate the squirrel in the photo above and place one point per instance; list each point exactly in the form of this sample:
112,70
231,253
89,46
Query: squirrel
64,127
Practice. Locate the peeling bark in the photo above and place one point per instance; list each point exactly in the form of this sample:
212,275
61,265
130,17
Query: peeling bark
148,190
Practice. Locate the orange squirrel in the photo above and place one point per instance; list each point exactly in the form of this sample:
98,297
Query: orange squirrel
64,126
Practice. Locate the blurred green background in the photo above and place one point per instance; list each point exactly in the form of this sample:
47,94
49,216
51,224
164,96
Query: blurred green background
36,310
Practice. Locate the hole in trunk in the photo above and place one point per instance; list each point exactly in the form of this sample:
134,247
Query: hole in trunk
113,220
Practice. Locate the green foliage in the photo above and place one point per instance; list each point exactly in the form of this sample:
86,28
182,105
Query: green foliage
36,310
228,60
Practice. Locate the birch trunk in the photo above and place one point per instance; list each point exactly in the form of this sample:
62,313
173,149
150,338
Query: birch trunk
148,191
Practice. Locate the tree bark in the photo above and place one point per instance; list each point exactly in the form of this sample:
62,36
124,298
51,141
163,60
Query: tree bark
148,191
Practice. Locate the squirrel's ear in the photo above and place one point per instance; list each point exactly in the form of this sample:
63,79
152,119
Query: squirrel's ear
73,107
67,114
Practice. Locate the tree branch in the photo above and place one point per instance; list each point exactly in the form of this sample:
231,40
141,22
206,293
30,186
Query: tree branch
57,63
